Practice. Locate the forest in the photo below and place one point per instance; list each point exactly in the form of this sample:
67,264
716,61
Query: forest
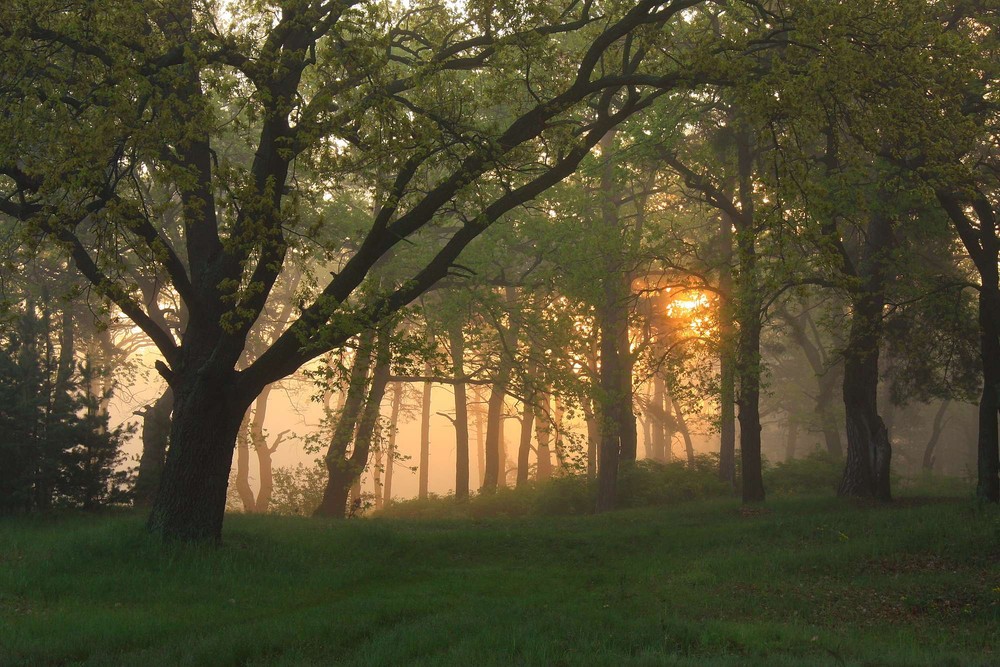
505,289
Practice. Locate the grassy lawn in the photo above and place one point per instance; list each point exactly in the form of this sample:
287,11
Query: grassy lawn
807,581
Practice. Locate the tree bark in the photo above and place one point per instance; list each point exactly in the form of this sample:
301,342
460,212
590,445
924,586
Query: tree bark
425,434
191,499
495,458
936,429
461,414
869,452
988,451
334,501
345,471
524,445
750,309
155,436
390,450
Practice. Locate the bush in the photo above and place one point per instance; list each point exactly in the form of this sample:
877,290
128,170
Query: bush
818,472
646,483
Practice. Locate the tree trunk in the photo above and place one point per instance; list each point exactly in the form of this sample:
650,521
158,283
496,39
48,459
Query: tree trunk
727,375
936,429
207,413
791,438
334,502
866,471
495,457
543,435
750,309
524,445
345,472
390,450
480,435
155,436
425,434
264,451
461,414
243,465
988,464
683,428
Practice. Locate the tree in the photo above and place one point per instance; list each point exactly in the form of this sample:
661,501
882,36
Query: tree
299,89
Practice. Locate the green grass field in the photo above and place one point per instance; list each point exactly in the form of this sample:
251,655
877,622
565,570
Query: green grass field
808,581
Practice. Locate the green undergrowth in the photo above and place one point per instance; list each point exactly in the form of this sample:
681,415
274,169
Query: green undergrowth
799,581
650,484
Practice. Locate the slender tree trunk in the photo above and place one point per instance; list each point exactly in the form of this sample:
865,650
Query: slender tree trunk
543,435
936,429
824,407
480,436
593,437
750,308
683,428
791,438
390,450
243,465
727,374
345,472
155,436
334,502
524,445
264,451
495,470
425,434
461,414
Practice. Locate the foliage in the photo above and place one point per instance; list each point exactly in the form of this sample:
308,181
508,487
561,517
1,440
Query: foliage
57,448
819,472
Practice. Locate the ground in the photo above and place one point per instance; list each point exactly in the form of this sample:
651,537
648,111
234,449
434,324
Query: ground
811,581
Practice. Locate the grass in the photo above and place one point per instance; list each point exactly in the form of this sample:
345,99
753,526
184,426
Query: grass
807,581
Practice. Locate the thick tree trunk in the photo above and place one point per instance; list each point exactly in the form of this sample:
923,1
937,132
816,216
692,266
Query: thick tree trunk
191,500
869,452
988,464
155,436
461,414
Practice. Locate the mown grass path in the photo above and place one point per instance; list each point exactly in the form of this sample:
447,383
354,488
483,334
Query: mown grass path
808,581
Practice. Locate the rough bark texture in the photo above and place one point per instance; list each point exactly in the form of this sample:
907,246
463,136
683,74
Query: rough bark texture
988,457
191,500
750,309
869,452
727,376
